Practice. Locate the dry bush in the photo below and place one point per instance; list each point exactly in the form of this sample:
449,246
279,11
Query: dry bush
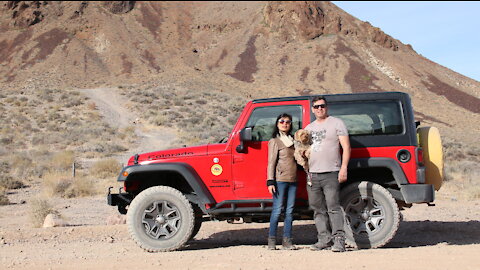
56,184
81,187
3,196
462,173
104,184
21,166
62,161
159,120
61,184
127,132
91,105
7,182
106,168
39,209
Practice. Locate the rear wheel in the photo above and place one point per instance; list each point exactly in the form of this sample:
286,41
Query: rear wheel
160,219
372,215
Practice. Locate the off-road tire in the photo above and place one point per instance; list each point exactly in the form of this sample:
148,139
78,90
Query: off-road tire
372,215
174,220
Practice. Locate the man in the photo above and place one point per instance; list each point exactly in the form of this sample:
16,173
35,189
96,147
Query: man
327,170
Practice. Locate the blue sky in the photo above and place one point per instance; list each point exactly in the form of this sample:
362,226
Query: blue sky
447,33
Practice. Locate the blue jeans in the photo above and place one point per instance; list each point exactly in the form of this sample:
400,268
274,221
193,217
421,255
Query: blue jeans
285,192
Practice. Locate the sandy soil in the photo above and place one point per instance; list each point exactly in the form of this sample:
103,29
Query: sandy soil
442,237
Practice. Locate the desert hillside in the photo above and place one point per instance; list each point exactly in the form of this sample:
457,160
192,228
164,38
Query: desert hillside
254,49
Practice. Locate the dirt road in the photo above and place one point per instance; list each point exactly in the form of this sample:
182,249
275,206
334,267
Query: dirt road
442,237
114,109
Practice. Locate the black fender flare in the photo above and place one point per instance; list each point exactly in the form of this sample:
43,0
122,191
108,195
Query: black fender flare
203,195
397,172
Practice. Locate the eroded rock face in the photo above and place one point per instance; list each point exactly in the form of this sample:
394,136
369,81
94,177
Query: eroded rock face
293,20
119,7
311,19
26,13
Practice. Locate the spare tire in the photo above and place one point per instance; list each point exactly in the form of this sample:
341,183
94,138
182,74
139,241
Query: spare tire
431,143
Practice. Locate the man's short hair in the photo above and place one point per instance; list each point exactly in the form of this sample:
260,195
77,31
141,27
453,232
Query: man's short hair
317,98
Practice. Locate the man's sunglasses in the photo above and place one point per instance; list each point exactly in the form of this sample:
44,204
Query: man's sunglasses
320,106
281,121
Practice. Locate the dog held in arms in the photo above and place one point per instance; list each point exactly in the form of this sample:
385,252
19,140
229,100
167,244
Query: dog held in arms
302,143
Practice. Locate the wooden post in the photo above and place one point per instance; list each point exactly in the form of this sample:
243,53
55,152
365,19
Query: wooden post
73,169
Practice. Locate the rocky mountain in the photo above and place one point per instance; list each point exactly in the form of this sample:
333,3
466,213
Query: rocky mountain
253,49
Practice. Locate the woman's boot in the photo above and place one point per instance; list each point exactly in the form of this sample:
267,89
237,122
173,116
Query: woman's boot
287,244
272,241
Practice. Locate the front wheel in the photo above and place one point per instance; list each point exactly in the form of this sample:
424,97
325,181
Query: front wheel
372,215
160,219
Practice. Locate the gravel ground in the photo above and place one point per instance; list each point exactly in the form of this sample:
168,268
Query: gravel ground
445,236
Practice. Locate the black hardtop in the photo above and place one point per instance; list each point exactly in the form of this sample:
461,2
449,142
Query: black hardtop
407,138
343,97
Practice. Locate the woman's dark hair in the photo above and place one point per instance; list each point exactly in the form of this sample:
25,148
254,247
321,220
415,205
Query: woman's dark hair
276,132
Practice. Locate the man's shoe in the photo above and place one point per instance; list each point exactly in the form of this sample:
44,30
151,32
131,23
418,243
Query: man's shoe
321,246
287,244
338,244
272,241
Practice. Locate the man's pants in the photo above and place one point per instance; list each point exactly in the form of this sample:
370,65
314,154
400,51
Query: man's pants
324,199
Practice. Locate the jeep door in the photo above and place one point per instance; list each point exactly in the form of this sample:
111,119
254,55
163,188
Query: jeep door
249,168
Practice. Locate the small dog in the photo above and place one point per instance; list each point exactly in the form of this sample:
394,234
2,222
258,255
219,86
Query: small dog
302,143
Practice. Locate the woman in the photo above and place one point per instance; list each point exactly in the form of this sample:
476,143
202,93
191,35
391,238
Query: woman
282,182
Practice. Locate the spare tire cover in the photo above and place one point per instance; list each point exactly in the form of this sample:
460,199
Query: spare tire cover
431,143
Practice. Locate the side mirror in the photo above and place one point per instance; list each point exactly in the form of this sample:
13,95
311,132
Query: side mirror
245,136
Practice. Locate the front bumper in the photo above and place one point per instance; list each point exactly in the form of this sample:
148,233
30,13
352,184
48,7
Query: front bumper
121,200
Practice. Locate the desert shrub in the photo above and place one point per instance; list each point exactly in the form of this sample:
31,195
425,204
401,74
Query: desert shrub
3,196
178,101
39,209
159,120
80,187
7,182
60,184
106,168
62,161
22,166
127,132
201,101
462,173
56,184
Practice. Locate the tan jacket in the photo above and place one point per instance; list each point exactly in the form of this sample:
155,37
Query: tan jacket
281,162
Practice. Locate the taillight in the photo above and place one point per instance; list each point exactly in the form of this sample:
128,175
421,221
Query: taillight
420,156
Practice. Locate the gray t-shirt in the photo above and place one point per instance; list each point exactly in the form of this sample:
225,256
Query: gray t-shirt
325,150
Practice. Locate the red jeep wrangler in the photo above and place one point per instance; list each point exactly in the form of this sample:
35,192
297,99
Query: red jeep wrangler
168,194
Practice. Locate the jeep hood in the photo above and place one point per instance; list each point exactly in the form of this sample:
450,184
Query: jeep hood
147,158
